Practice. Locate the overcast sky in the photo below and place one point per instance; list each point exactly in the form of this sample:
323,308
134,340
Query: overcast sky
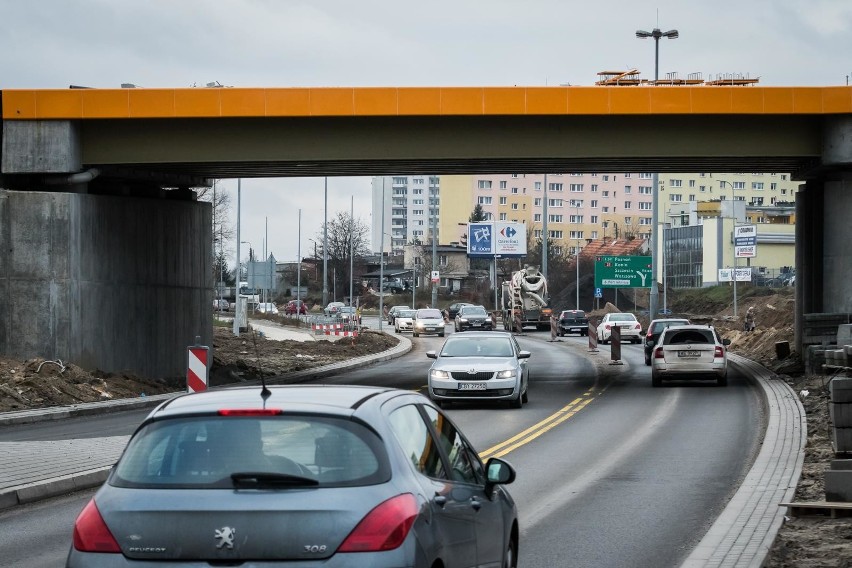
326,43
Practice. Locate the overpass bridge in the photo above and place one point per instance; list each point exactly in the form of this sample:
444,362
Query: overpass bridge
100,265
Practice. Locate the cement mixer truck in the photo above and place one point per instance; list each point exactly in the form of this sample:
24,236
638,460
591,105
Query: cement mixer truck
525,295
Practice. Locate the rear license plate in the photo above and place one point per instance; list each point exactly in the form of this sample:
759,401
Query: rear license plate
689,354
472,386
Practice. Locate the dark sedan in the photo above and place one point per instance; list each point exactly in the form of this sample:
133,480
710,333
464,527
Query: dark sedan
573,321
655,328
472,317
325,476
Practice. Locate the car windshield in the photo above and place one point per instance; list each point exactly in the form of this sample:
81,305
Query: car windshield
478,347
428,314
622,317
405,313
473,311
688,336
212,452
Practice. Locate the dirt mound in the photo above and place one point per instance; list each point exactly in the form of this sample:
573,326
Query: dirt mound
37,383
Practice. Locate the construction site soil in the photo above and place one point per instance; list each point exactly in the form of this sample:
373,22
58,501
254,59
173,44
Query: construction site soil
802,542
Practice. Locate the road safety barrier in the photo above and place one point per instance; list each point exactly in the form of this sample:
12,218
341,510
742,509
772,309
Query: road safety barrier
196,367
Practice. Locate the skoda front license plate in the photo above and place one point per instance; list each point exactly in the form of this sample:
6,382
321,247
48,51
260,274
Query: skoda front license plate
691,354
472,386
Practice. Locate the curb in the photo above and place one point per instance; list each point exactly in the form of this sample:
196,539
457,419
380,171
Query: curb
743,533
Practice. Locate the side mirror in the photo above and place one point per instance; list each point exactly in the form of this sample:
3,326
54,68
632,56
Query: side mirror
524,354
432,354
726,342
498,472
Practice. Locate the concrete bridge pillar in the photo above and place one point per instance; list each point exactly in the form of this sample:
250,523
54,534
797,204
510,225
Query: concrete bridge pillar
113,283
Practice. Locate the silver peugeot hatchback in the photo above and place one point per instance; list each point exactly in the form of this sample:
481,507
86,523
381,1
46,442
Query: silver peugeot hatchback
299,476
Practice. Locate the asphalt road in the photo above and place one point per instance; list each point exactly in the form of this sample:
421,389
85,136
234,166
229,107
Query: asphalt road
611,472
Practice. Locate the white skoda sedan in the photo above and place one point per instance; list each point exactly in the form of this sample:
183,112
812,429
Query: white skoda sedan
690,352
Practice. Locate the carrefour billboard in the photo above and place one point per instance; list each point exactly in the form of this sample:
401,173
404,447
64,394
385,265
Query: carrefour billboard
502,239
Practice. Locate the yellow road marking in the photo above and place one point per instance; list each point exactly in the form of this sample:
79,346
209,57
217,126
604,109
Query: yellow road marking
541,427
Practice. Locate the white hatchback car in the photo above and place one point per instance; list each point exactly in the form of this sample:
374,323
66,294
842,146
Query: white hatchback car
690,352
630,327
428,320
404,320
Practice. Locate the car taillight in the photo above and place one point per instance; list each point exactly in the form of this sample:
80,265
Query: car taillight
658,353
649,335
384,528
718,352
607,326
638,326
91,533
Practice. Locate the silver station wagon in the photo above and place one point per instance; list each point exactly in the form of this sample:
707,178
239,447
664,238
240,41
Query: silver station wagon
485,366
299,476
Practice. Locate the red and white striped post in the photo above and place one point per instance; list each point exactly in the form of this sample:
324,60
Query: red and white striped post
196,368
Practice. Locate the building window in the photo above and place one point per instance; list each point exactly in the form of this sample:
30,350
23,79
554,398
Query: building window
537,218
605,194
576,187
644,220
626,189
538,186
555,219
675,183
702,188
484,184
400,181
554,203
646,176
594,219
628,220
594,188
645,190
555,234
442,259
692,183
555,187
537,202
503,201
576,218
628,204
605,209
483,200
644,206
514,206
594,234
739,185
757,185
606,178
675,197
773,186
692,197
515,190
575,235
502,216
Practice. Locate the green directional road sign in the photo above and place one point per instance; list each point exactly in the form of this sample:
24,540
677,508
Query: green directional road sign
622,272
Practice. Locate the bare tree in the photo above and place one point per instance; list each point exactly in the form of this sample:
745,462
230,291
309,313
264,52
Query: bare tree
223,229
344,233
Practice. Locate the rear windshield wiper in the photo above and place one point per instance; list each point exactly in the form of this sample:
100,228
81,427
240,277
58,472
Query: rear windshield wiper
256,479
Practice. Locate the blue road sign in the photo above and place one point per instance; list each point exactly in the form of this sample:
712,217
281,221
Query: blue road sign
598,293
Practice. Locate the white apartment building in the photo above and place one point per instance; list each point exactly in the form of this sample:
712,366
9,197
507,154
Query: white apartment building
410,207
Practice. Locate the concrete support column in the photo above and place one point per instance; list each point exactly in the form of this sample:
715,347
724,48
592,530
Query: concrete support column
809,267
113,283
836,255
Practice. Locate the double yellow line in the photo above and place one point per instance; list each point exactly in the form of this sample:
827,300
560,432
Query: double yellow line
536,430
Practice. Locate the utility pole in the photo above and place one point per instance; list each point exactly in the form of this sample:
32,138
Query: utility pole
325,250
433,205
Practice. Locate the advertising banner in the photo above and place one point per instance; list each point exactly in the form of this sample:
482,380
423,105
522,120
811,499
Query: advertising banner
488,239
745,241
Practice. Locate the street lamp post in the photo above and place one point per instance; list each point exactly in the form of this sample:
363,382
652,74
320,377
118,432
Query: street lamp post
325,249
734,215
577,258
655,289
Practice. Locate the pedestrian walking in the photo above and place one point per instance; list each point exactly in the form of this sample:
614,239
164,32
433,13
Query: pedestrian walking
749,319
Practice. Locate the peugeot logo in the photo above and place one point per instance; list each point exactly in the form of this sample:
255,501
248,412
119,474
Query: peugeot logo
225,535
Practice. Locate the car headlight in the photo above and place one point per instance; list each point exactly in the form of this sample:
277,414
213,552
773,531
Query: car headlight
508,374
463,319
438,374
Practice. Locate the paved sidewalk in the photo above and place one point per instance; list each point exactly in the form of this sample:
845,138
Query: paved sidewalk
741,536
